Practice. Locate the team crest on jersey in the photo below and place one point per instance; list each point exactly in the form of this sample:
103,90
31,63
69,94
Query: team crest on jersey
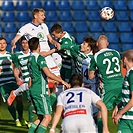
40,35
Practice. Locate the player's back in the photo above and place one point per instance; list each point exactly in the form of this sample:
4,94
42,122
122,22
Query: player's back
109,65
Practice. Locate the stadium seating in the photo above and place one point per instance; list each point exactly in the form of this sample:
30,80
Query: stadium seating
127,46
95,35
7,5
113,37
92,5
78,5
105,3
63,5
67,26
130,4
109,26
79,16
81,26
80,36
131,15
120,5
51,16
10,27
22,5
50,6
95,26
115,46
23,16
20,24
8,16
50,24
0,28
35,4
9,37
121,15
93,16
124,26
126,37
65,16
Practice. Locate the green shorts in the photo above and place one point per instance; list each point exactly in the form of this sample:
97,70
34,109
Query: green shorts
42,104
112,97
125,126
6,89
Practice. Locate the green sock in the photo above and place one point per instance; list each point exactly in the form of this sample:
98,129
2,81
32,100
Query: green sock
12,111
100,125
41,129
19,108
32,128
31,114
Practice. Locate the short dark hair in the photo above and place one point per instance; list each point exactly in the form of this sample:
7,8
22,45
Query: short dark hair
33,43
2,38
23,38
57,28
76,80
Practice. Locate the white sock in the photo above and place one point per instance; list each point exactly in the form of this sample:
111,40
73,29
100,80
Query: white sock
21,88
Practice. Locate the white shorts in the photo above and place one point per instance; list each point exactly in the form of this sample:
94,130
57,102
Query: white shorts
52,65
78,124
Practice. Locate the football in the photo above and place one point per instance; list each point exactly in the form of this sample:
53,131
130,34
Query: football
107,13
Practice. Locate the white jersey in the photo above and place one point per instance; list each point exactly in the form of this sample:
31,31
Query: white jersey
41,31
77,104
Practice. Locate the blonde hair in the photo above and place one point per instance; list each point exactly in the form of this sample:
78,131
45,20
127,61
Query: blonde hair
102,37
129,55
37,10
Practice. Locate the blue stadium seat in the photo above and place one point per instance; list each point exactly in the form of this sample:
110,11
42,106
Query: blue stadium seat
7,5
113,37
105,3
115,46
130,5
121,15
124,26
23,16
63,5
50,24
8,48
131,15
109,26
126,37
0,28
78,5
94,16
80,36
50,6
51,16
65,16
127,46
9,37
67,26
95,26
22,5
20,24
10,27
79,16
91,5
95,35
81,26
120,5
8,16
35,4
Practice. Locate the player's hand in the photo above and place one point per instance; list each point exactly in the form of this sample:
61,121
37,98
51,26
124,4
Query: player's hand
66,84
58,46
19,82
116,118
115,111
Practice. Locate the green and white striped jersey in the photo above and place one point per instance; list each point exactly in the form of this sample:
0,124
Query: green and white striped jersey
39,79
6,68
21,62
127,89
109,65
67,40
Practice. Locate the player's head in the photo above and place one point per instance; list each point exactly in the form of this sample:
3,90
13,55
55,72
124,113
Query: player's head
34,44
3,44
56,31
89,44
102,42
38,15
127,57
24,43
76,80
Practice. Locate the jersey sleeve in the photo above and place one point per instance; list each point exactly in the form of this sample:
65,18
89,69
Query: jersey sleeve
41,62
22,30
130,78
93,66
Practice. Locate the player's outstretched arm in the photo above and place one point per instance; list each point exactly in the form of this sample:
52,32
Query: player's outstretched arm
15,39
104,115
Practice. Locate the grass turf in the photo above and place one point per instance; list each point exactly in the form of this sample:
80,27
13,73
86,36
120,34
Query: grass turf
7,125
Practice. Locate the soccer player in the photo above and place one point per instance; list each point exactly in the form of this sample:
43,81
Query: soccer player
76,103
39,87
107,61
64,38
123,112
8,82
37,28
